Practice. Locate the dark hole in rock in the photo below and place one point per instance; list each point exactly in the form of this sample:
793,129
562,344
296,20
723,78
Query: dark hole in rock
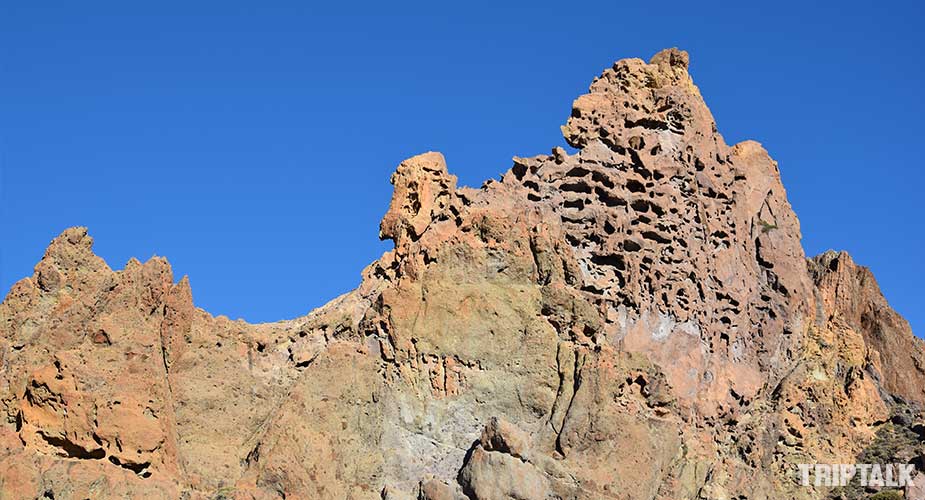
612,260
140,469
574,204
603,179
72,449
519,171
609,199
576,187
635,186
577,172
652,235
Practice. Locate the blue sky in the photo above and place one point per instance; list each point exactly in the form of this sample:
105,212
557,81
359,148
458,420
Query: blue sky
252,144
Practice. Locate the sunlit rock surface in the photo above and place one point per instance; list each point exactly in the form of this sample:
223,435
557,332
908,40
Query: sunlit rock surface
634,320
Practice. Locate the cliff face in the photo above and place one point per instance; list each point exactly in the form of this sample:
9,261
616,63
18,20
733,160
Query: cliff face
635,320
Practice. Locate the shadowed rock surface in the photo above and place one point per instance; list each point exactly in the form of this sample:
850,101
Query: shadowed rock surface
636,320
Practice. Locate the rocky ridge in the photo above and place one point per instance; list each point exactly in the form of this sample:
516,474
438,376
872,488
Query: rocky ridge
636,319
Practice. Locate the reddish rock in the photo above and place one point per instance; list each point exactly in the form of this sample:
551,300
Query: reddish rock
636,319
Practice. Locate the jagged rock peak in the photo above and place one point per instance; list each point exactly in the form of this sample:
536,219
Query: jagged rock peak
671,58
423,192
636,319
68,252
659,96
671,230
850,299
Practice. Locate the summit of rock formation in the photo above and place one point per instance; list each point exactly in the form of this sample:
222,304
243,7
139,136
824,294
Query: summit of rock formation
634,320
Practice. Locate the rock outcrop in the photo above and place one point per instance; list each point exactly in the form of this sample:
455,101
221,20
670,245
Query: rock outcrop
634,319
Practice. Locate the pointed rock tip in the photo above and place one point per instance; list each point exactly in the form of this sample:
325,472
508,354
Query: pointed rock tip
634,98
833,254
422,189
159,265
73,236
73,246
747,146
750,149
834,259
672,58
70,250
431,161
182,293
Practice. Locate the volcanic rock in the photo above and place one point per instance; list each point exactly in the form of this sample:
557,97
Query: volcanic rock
633,318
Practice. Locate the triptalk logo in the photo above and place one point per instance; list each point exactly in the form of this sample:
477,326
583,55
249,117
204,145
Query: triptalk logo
873,475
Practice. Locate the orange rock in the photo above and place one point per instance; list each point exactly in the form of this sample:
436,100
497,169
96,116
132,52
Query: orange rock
633,320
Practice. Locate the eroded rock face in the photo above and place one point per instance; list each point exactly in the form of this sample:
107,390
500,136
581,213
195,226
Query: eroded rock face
683,242
632,320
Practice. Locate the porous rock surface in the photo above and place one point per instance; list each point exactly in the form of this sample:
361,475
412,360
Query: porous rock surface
633,320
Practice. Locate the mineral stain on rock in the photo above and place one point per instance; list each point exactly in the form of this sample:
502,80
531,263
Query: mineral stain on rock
636,320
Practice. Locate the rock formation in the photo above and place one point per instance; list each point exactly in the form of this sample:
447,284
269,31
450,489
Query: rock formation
634,320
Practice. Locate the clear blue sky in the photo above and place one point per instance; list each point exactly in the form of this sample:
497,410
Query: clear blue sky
252,143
